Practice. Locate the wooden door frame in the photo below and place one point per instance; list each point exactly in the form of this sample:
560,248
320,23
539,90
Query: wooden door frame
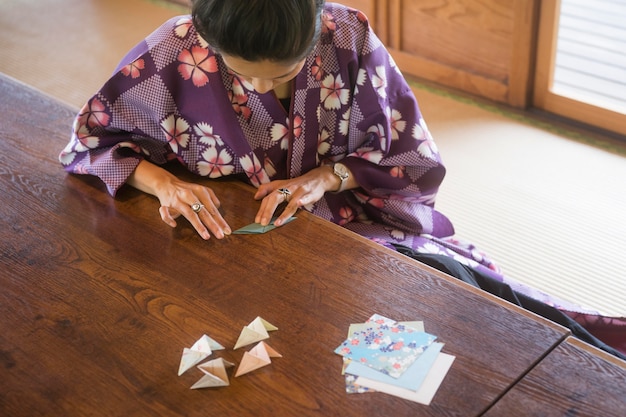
545,99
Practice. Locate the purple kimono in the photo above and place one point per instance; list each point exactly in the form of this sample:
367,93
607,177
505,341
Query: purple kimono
172,97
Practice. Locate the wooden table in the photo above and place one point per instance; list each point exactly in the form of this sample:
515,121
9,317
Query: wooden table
575,379
99,297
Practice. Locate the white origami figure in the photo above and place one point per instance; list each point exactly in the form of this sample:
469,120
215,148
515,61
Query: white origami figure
258,357
200,350
215,374
254,332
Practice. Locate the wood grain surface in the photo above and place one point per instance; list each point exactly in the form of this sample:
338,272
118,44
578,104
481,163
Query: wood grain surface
573,380
99,297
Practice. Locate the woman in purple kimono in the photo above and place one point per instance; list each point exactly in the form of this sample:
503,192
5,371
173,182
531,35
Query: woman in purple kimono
299,96
303,100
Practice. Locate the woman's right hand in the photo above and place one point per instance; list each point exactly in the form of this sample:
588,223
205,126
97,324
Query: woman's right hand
179,197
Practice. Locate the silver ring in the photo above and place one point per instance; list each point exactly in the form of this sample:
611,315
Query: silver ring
285,192
197,207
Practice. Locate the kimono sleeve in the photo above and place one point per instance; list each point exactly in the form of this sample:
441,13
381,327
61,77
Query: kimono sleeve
121,124
395,160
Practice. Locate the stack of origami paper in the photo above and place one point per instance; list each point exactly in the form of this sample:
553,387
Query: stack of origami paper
397,358
215,374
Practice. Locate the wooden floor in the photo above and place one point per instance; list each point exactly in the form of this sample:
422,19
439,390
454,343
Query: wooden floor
591,53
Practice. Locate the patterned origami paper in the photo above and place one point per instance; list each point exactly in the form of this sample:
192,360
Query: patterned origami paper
386,345
254,332
256,228
258,357
197,353
215,374
412,379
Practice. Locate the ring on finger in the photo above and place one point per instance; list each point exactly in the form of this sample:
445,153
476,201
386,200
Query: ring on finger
285,192
197,207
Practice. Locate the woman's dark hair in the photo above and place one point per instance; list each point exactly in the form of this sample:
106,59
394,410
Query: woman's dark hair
254,30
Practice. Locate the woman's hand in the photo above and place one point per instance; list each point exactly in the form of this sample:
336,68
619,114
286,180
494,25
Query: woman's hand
306,189
179,197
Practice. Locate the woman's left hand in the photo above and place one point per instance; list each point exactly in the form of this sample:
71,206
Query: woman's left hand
306,189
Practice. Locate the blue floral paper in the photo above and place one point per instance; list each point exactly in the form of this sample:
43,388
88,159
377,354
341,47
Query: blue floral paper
385,345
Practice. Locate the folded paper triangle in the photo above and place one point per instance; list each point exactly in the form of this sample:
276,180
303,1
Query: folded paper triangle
262,349
214,374
254,332
197,353
258,357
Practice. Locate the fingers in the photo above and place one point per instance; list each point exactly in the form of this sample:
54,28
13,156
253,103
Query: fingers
200,206
270,203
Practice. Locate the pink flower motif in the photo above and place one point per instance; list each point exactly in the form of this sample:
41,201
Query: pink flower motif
369,154
176,131
372,201
94,114
316,69
196,64
328,23
361,16
134,68
81,169
347,215
397,172
332,93
297,126
217,164
239,102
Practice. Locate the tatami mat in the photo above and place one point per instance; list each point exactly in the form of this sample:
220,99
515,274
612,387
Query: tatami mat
549,209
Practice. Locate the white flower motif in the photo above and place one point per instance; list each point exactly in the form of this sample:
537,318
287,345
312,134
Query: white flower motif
280,133
431,248
379,81
205,132
84,141
182,27
379,131
344,123
427,148
360,80
254,170
215,164
322,143
66,157
397,124
332,93
176,131
398,234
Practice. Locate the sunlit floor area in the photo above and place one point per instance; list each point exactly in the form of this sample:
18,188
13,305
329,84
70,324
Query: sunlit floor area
547,204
